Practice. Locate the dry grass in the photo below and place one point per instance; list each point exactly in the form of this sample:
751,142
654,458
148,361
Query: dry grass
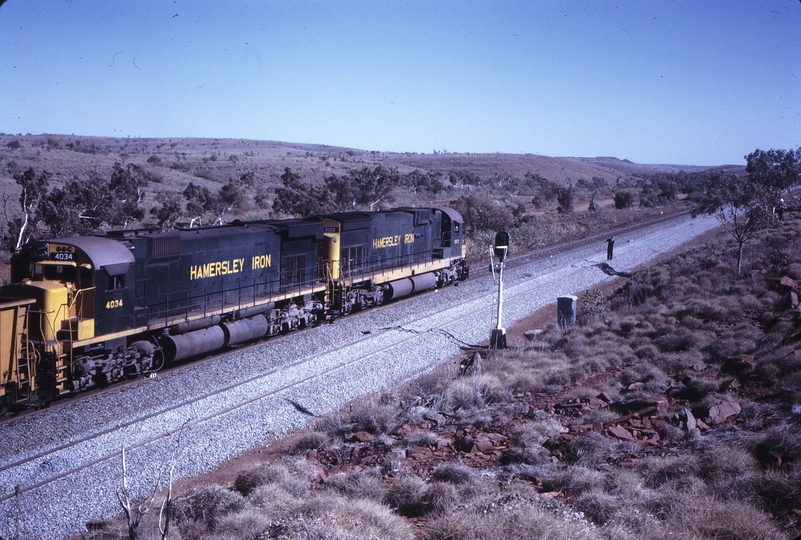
525,522
670,333
411,496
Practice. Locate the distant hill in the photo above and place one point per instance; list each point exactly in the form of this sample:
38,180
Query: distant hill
179,161
624,166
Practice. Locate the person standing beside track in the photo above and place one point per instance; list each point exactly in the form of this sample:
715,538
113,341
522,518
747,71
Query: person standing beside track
610,246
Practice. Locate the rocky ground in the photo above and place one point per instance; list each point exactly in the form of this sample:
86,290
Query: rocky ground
674,423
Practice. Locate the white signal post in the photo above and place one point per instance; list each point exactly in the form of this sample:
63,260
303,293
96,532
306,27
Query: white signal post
499,250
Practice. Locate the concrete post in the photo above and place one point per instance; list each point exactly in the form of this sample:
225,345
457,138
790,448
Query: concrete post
566,310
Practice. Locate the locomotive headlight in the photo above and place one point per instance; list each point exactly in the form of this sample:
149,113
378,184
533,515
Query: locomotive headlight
39,251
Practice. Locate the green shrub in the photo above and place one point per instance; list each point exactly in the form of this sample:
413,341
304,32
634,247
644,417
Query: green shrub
374,417
678,341
642,372
247,481
598,506
334,424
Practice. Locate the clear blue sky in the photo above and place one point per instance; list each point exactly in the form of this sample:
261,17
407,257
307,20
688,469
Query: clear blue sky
690,82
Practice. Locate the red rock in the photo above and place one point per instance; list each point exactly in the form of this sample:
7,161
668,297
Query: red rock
434,417
344,468
654,440
400,431
789,283
596,403
418,452
691,424
464,443
496,438
363,436
725,408
482,445
621,433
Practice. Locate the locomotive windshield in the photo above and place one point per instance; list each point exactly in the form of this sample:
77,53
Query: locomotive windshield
54,272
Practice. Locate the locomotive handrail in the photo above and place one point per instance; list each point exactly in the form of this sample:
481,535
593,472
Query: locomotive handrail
399,262
74,302
212,300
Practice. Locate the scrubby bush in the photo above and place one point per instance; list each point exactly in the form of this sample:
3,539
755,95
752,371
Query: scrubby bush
453,474
205,506
522,521
413,497
361,485
310,440
624,199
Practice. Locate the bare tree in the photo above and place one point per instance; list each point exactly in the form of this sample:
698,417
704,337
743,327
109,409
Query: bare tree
134,513
34,189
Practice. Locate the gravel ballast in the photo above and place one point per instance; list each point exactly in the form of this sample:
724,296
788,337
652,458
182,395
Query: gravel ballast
262,384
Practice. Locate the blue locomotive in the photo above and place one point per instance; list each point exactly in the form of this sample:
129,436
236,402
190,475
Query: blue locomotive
84,312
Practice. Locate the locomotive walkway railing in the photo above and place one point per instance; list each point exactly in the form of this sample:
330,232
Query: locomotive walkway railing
207,301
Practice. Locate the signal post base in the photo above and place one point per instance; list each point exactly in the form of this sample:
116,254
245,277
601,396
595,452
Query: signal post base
498,338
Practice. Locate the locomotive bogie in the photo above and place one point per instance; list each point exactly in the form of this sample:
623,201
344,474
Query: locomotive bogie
366,297
94,310
102,365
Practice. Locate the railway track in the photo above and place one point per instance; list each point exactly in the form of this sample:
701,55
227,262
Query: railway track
225,418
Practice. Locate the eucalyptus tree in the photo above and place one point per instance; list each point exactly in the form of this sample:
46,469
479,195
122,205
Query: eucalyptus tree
743,203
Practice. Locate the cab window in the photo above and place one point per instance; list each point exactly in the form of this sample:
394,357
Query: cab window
116,282
58,272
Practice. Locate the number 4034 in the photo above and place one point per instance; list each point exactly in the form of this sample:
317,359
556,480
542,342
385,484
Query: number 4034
114,304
